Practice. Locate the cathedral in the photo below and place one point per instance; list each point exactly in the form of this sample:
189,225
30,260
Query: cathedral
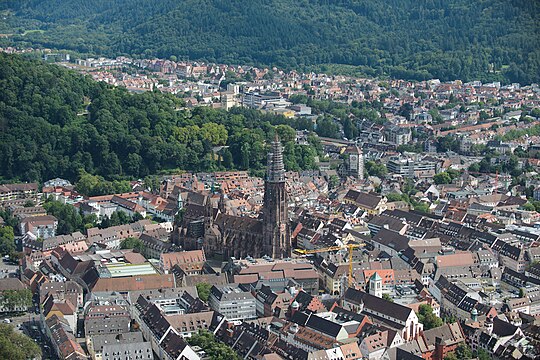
224,235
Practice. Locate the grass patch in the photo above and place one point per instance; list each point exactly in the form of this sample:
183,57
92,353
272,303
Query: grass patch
27,32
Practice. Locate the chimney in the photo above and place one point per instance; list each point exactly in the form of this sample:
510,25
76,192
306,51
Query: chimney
439,349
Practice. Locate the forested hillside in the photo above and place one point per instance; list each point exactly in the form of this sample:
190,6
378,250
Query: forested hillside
54,122
414,39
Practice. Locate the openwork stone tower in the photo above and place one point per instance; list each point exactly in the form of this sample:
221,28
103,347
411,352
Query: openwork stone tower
276,228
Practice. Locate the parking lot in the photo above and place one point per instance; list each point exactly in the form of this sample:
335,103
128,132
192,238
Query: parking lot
8,270
29,324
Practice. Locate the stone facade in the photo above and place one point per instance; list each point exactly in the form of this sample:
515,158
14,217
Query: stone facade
228,235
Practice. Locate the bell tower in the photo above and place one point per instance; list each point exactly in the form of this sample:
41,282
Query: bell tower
276,228
375,285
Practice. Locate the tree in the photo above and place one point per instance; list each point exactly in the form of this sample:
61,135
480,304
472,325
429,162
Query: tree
327,127
529,207
137,217
435,116
216,134
375,168
449,318
349,129
520,152
132,243
203,289
406,110
484,115
409,187
441,50
16,299
333,182
93,185
427,317
269,75
298,99
442,178
15,346
387,297
477,150
447,143
286,133
7,240
119,217
391,197
29,203
474,167
105,222
9,219
227,159
536,205
86,183
69,218
151,182
482,354
463,351
416,148
126,136
215,349
535,112
420,206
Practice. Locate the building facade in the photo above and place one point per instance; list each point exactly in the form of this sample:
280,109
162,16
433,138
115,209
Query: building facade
354,162
233,303
226,235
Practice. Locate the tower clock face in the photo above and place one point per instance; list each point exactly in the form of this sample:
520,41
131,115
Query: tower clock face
354,161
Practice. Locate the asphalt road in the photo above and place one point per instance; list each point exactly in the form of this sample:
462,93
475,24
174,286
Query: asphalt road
7,270
29,323
17,321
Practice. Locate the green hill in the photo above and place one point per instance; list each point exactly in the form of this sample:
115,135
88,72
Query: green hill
415,39
45,131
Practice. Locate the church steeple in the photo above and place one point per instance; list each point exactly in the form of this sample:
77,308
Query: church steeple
276,229
209,210
221,205
276,169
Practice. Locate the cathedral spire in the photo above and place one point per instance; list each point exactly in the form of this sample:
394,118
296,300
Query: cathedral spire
276,169
209,209
276,228
221,205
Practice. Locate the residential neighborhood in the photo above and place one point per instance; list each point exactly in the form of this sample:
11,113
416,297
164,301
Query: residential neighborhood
416,235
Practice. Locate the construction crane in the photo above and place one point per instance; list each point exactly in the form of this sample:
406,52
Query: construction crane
351,247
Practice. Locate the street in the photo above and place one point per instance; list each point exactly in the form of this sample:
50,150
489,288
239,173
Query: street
8,270
29,324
